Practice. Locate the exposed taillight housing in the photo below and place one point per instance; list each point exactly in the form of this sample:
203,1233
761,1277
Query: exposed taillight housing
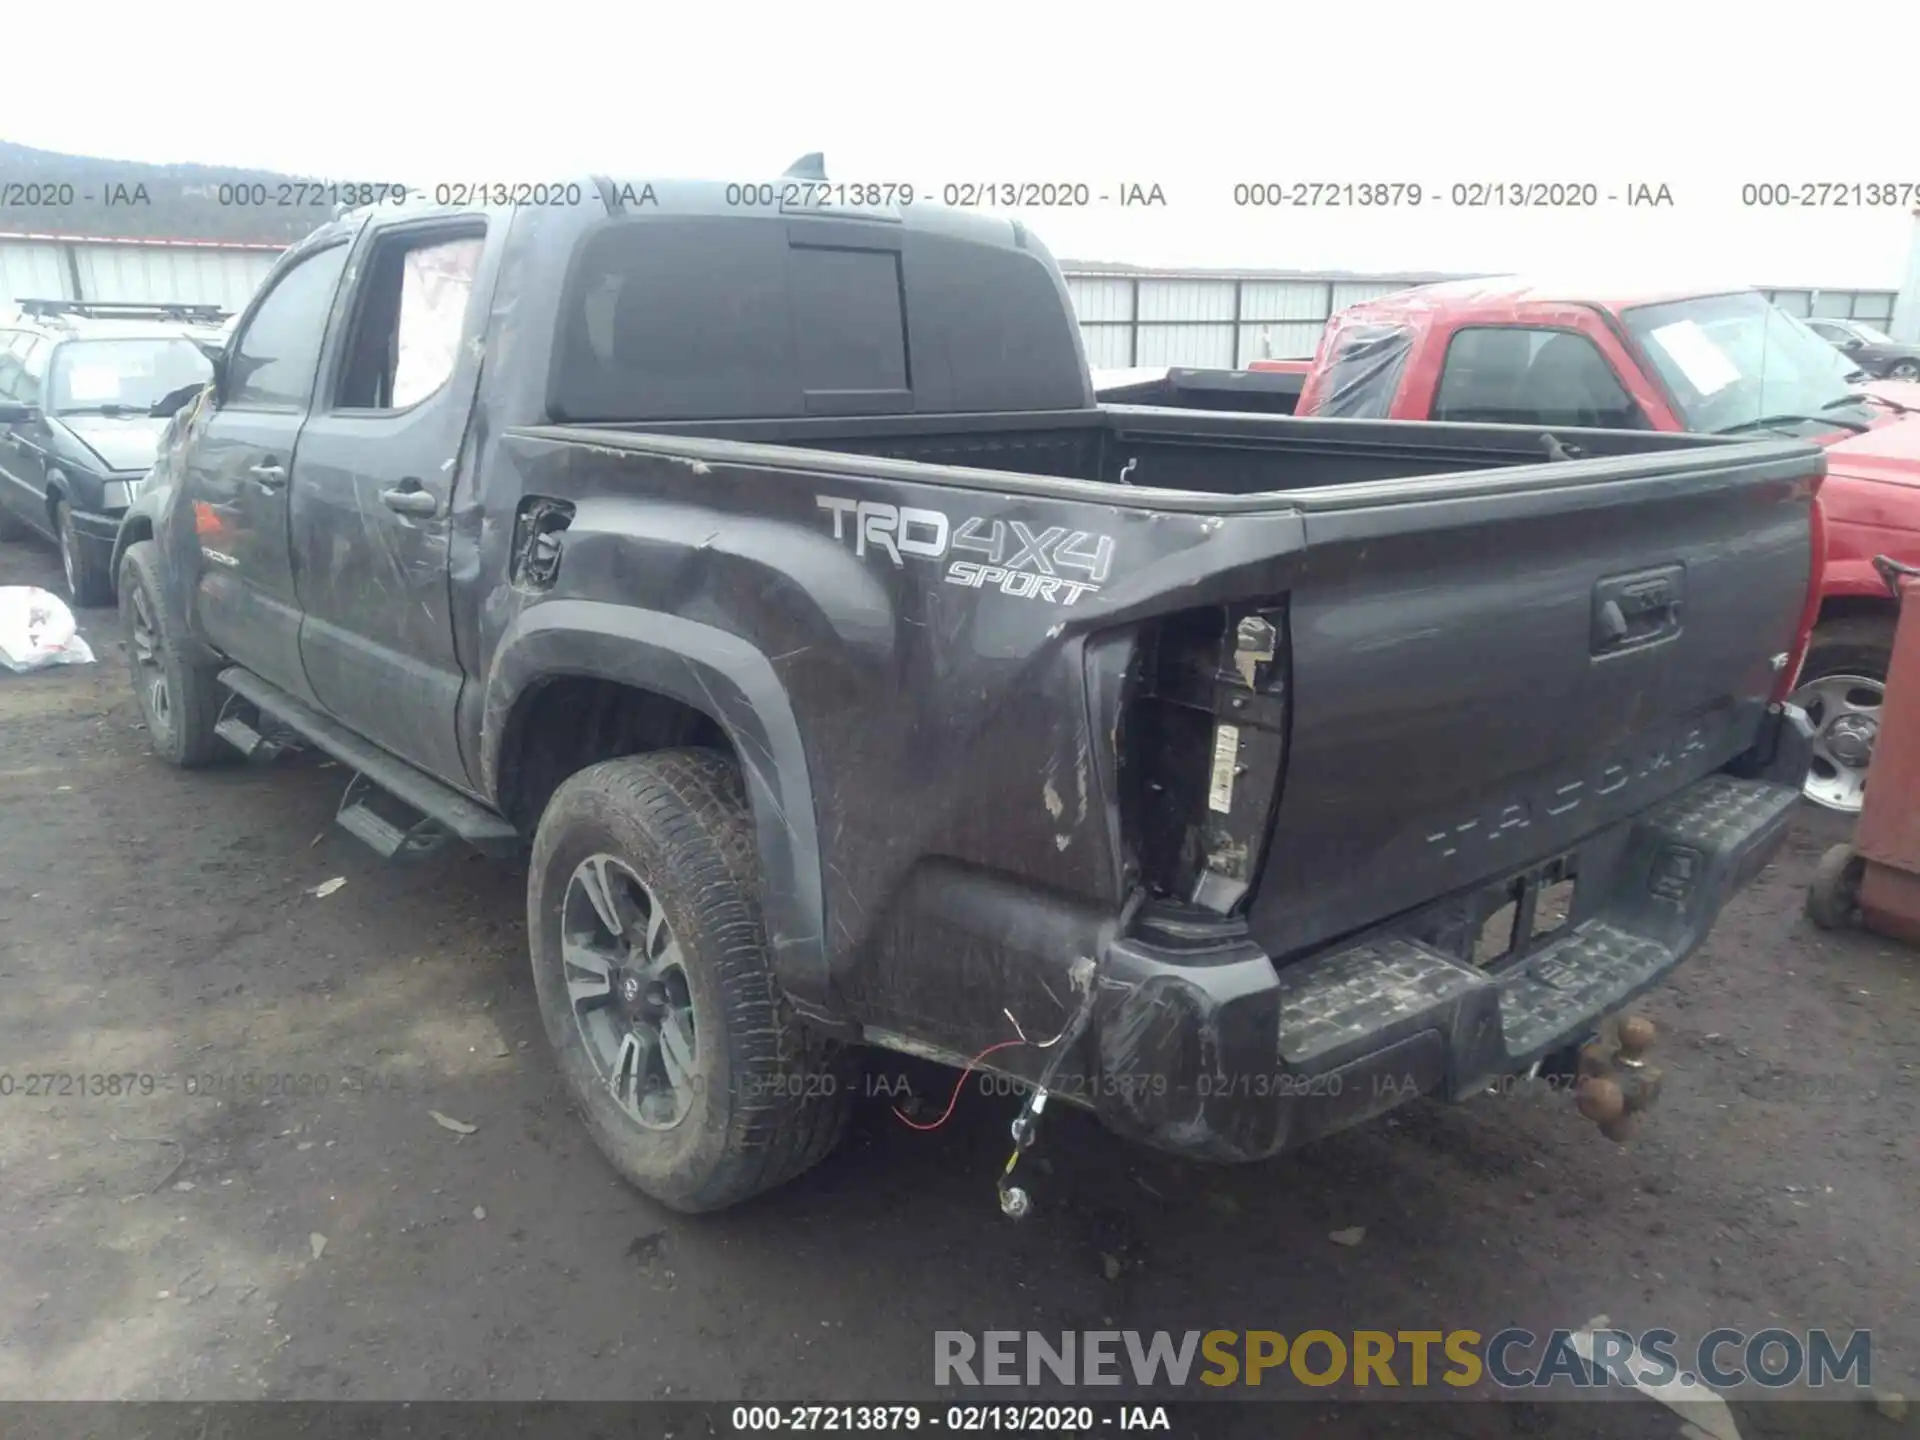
1202,752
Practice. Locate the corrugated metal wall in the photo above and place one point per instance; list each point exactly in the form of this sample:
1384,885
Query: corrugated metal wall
47,269
1207,320
1875,307
32,271
205,276
1222,322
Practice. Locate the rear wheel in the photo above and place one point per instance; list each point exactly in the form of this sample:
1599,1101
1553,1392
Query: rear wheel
1904,370
87,579
179,700
643,913
1842,686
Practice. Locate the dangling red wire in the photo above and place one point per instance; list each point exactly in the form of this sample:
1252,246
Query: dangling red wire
954,1099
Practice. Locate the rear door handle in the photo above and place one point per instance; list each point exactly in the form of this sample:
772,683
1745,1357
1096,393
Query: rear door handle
269,475
408,498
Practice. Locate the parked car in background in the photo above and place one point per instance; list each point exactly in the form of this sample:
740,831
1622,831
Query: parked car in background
1874,351
1513,351
78,385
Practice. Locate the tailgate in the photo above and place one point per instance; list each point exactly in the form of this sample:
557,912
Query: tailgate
1485,668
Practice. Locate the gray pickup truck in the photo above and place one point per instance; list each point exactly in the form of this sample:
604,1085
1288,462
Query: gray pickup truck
765,562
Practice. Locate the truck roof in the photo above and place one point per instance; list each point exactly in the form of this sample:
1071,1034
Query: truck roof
1505,292
639,195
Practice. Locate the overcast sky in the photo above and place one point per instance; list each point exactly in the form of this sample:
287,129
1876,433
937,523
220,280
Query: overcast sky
1194,98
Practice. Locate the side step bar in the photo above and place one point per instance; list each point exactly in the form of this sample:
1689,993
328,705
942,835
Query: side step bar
234,728
436,807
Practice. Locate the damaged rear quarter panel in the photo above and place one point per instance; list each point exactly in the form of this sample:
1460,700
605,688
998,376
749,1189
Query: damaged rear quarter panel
906,737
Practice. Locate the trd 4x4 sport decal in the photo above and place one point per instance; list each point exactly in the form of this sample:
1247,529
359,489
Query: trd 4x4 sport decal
1015,560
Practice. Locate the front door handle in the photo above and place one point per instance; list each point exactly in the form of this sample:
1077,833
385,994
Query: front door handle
269,475
410,499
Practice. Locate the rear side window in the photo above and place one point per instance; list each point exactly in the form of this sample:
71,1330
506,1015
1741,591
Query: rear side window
33,352
275,356
11,370
409,318
1363,371
1515,375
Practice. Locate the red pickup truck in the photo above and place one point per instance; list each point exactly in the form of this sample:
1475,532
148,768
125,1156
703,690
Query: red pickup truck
1514,351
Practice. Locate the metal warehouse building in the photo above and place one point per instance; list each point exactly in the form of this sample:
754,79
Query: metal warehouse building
1128,315
81,267
1224,318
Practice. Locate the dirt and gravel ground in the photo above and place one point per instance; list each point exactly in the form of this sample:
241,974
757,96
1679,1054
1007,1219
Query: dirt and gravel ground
169,1244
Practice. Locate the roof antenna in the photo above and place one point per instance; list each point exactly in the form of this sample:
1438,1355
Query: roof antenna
811,166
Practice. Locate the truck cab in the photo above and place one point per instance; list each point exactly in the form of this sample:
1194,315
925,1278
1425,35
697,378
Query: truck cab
1513,351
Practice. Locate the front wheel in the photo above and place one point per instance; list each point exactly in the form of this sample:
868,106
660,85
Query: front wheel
179,700
1904,370
88,580
643,914
1842,686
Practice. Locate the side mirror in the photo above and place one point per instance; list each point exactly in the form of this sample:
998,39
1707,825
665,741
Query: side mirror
1851,344
174,401
12,412
216,353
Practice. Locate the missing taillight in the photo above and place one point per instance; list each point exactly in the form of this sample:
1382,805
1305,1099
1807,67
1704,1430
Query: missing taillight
1203,751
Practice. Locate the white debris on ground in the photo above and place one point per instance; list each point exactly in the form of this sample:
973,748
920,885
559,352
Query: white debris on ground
37,630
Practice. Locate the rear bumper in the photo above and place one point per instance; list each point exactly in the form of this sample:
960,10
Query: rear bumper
1219,1054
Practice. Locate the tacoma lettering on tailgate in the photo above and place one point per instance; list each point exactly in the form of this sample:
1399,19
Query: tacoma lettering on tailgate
1016,561
1551,800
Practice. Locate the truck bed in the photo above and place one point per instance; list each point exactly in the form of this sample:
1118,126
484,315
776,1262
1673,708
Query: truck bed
1443,703
1205,452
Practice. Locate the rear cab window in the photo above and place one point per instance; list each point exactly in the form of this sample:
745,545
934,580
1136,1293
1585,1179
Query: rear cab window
1531,375
1361,374
696,318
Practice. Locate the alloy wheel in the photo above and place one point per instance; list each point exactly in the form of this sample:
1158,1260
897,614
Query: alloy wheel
150,672
67,561
628,991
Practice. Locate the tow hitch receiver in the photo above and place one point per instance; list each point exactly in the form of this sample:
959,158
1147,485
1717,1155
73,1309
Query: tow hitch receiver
1615,1084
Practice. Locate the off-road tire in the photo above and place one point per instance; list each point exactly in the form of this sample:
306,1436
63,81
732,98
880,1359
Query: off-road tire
1856,645
87,579
184,736
772,1097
